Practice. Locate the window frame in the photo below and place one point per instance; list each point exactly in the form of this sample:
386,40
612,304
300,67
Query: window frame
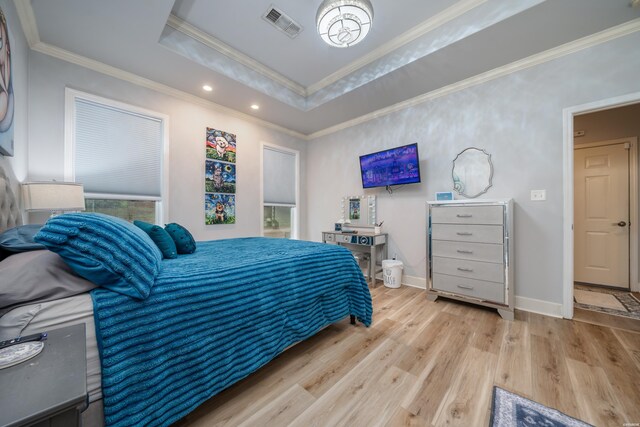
295,214
162,203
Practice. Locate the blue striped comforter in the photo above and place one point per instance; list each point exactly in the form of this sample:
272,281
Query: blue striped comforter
213,318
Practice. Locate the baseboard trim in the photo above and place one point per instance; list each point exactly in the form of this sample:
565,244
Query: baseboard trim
414,282
531,305
539,307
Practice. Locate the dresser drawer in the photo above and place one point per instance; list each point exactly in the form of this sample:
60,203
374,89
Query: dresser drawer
469,251
467,233
489,291
467,215
470,269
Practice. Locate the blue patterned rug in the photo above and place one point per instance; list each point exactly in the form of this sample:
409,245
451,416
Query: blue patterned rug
509,410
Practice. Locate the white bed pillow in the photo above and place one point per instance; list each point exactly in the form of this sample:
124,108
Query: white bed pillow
37,276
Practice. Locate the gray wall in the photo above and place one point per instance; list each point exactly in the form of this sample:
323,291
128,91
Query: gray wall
48,78
516,118
19,70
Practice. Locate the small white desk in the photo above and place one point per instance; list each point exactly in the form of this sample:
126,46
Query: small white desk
371,244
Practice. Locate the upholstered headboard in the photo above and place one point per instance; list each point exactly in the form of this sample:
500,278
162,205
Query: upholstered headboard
10,215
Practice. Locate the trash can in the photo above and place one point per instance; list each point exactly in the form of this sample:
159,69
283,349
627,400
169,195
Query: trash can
392,273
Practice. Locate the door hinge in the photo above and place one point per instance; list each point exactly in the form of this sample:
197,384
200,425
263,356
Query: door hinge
627,146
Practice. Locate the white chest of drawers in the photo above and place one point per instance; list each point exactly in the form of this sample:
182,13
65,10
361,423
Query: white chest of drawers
470,253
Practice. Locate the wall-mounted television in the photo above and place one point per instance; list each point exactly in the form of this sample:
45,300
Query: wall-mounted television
395,166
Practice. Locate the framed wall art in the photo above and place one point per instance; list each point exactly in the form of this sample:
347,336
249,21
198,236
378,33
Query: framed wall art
220,178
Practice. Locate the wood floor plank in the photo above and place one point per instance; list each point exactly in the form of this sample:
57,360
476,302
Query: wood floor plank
403,418
385,396
597,402
423,359
282,410
618,365
550,376
338,363
436,378
576,343
514,363
489,330
334,405
469,397
604,319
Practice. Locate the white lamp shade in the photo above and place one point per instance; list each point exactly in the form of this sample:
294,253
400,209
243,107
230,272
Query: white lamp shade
53,196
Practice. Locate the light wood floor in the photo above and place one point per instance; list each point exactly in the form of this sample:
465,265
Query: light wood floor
434,363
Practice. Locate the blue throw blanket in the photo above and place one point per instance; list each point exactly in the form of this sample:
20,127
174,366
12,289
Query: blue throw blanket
213,318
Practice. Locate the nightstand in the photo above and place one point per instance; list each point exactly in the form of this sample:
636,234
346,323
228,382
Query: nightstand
50,389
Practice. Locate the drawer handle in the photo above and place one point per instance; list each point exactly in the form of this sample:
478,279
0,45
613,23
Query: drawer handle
460,251
465,287
464,215
464,233
468,270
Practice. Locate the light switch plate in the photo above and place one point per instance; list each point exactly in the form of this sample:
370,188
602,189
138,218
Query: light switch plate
538,195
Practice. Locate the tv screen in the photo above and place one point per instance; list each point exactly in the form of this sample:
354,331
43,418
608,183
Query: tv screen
395,166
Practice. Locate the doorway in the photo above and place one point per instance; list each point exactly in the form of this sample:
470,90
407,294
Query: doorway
602,212
570,138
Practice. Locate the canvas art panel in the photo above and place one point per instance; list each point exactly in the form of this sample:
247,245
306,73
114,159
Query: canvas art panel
6,90
221,145
220,177
220,208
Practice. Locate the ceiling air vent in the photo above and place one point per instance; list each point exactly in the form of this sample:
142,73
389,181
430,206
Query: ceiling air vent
282,22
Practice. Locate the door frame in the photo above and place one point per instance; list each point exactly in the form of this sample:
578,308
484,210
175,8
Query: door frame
567,177
634,286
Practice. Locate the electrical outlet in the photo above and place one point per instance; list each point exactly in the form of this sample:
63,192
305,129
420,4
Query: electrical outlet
538,195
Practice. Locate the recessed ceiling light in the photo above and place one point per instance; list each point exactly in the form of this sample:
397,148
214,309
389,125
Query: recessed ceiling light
207,88
255,107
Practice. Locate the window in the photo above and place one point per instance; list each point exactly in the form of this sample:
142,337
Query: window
280,169
117,151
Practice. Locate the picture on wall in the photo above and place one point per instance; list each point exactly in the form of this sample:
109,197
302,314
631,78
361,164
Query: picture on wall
6,90
354,209
220,177
220,208
221,145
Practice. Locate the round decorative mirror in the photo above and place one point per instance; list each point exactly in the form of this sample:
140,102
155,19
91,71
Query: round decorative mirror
472,172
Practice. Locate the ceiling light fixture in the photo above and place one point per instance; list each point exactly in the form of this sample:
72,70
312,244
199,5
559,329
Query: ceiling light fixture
344,23
255,107
207,88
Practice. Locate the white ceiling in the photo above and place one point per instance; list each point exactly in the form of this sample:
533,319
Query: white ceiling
302,84
245,30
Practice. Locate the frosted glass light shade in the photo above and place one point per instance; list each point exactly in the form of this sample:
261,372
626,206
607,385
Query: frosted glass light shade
344,23
53,196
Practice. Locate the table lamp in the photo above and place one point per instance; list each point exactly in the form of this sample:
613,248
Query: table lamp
55,197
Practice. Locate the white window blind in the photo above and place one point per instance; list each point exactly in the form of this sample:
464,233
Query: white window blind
117,151
279,177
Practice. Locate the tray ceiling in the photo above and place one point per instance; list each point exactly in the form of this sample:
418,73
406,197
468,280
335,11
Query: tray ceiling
301,83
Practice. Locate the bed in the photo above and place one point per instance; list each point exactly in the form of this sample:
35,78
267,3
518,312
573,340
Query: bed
211,319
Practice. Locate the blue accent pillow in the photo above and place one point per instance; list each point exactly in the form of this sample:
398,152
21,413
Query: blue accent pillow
105,250
20,239
181,236
160,237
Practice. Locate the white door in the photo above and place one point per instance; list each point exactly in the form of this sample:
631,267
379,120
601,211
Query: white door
601,210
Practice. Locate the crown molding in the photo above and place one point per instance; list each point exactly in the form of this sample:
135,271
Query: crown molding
28,21
195,33
431,24
531,61
29,27
118,73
